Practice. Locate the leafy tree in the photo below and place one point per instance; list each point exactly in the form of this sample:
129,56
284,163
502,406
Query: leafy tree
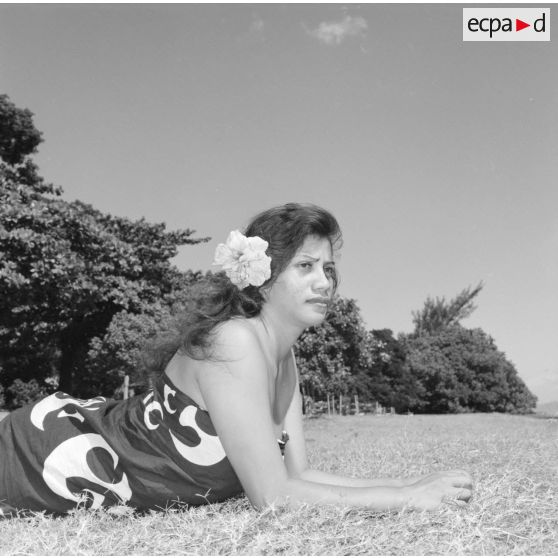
66,269
462,370
22,393
19,139
122,349
333,357
389,378
18,136
438,314
2,400
433,371
119,352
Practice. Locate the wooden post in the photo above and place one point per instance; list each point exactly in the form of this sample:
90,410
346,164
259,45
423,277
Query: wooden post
126,386
340,404
357,409
328,403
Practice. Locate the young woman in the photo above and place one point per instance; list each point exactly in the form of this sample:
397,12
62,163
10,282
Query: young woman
226,414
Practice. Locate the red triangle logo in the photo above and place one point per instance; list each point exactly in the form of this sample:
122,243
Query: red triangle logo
519,25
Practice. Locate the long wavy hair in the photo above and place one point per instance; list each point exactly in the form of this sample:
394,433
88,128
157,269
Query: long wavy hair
215,299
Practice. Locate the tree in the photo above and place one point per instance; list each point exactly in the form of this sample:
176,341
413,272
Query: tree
389,378
18,136
440,389
334,356
438,314
19,139
124,347
66,269
462,370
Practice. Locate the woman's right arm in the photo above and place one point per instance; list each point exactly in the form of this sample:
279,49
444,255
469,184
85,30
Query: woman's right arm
424,492
235,390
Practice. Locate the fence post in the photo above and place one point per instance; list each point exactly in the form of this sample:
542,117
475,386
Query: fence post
340,404
357,410
328,403
126,386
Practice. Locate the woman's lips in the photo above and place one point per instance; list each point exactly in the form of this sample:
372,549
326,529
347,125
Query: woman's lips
320,301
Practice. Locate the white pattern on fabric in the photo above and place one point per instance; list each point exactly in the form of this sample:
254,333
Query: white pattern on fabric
69,461
52,403
168,391
149,408
208,452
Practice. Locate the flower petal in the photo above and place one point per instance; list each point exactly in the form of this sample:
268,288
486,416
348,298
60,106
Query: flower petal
223,254
244,259
237,241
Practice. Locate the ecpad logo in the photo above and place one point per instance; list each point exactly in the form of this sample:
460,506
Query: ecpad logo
506,24
493,25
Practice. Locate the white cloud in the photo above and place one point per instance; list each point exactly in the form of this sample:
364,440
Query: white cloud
257,25
335,32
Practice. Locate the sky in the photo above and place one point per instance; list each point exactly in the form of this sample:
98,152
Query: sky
438,157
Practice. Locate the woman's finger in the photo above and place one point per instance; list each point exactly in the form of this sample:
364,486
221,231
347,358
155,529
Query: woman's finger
459,497
462,494
463,483
461,479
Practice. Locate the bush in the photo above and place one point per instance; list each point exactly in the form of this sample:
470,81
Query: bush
22,393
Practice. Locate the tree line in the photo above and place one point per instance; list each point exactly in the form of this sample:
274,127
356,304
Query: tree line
441,367
83,292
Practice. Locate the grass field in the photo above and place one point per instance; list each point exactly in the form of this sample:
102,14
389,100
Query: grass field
513,459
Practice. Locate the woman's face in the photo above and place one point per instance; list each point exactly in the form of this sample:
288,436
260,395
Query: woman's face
303,290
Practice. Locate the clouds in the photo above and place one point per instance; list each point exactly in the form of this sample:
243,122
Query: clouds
257,26
335,32
254,30
327,32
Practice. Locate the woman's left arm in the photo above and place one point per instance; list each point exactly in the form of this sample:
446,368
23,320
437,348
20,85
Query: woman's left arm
296,460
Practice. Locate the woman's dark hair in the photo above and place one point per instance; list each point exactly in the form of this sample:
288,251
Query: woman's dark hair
215,299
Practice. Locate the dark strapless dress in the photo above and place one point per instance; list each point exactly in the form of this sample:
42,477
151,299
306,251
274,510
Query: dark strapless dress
152,451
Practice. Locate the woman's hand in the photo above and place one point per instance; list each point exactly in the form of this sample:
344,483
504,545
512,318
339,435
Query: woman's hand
430,491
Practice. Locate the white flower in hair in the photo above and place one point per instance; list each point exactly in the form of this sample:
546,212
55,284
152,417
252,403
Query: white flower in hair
244,260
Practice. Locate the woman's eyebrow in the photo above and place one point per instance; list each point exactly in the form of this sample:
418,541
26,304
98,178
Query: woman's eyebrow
314,259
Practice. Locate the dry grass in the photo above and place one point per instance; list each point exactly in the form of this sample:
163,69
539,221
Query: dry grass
514,461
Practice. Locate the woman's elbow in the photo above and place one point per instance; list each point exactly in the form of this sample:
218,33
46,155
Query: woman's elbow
274,494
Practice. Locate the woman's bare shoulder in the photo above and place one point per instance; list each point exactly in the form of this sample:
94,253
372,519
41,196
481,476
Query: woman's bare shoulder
236,354
236,339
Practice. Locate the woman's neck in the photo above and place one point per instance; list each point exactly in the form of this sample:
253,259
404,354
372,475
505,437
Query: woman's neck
279,336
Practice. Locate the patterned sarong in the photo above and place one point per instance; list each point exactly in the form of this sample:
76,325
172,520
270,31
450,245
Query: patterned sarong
150,452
